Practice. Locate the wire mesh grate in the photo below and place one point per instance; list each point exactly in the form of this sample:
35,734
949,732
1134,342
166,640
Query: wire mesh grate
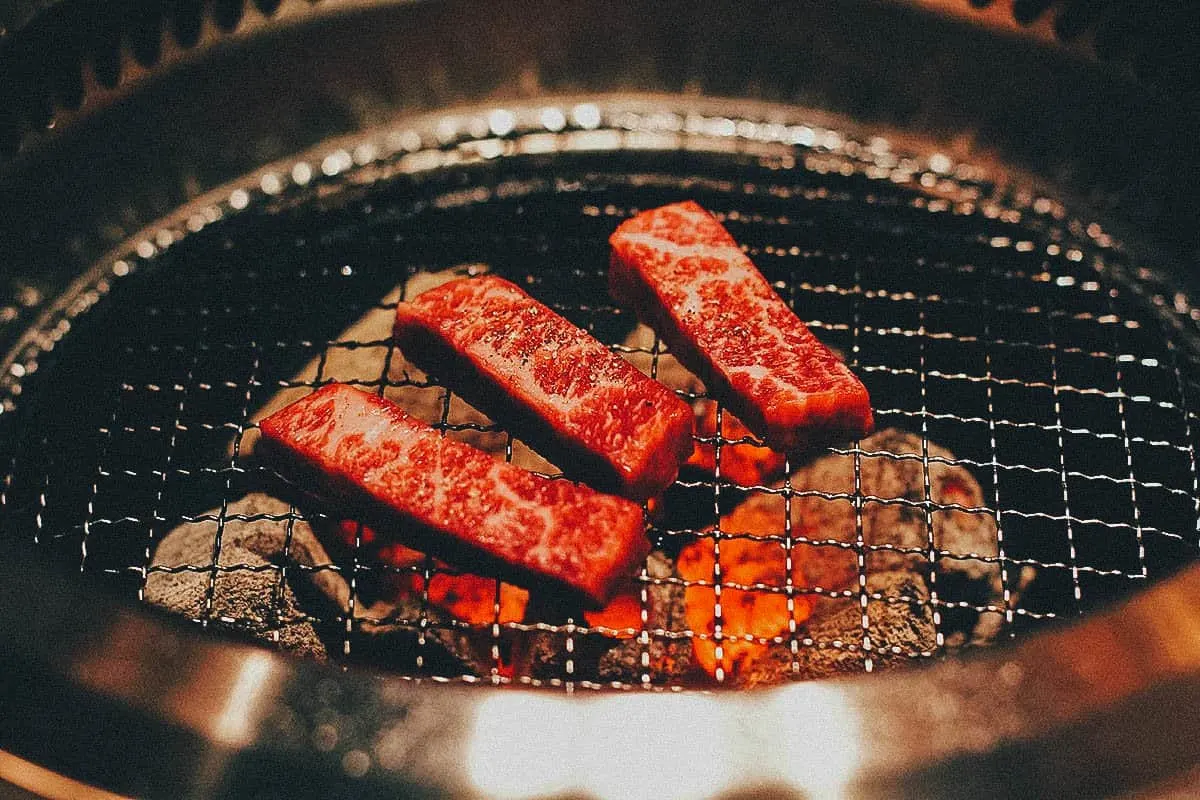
1046,393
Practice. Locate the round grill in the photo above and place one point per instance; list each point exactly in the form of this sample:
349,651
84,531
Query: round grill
982,316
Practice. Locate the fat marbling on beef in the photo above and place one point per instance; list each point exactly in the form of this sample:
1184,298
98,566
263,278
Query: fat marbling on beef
458,502
685,276
572,399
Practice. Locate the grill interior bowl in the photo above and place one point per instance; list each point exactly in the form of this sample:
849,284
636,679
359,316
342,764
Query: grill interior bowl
982,316
1051,353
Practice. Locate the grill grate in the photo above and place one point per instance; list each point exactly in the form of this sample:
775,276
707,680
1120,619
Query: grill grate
981,316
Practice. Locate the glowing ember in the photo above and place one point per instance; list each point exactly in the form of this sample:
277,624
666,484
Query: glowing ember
473,598
760,611
470,598
743,464
624,612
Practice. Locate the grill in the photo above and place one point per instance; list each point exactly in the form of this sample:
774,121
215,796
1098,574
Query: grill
993,228
982,315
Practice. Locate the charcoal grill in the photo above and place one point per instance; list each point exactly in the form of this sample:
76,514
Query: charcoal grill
1017,298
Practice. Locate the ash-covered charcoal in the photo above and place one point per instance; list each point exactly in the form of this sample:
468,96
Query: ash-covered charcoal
408,630
547,655
304,613
898,574
406,634
665,659
258,539
892,470
899,624
601,657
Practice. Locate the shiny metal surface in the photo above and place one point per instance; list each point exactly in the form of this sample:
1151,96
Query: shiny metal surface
966,325
1065,715
106,47
147,146
135,703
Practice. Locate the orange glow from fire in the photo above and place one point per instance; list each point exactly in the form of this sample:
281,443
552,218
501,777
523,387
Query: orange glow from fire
758,612
625,611
470,598
742,464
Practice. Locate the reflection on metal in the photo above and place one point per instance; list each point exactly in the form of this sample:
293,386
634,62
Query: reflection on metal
1045,719
691,746
237,722
47,784
223,696
1076,712
1057,714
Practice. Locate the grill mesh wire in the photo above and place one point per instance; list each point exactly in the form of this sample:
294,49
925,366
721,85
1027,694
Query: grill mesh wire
982,317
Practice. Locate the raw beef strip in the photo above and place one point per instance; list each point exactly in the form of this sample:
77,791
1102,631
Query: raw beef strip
575,401
686,277
459,503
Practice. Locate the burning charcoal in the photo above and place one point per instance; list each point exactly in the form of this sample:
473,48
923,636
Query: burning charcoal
741,464
389,633
894,529
669,659
897,526
409,630
753,599
544,654
403,603
597,656
891,470
831,643
249,598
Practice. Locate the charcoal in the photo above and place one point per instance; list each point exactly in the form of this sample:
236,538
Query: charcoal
395,633
248,596
896,534
667,659
602,658
898,525
900,626
304,613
